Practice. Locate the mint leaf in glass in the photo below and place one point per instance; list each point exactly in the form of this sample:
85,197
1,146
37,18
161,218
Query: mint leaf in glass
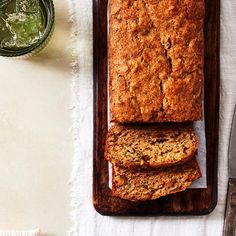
26,29
21,23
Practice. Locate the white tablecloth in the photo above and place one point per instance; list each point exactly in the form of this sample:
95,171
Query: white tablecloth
87,221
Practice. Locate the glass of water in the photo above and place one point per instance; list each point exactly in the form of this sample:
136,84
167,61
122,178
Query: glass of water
26,26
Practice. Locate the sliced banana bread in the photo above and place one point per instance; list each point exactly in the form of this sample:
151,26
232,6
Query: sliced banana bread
136,185
143,146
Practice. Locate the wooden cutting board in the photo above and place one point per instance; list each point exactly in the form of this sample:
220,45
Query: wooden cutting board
191,201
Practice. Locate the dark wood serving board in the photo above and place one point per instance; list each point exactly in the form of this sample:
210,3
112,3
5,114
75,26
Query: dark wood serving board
191,201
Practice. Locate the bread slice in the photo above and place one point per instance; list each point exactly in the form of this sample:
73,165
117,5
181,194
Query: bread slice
145,146
136,185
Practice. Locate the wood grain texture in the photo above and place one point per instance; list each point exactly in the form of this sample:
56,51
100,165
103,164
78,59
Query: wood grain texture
191,201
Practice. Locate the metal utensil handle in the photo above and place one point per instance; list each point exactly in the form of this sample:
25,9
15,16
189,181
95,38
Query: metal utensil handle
230,213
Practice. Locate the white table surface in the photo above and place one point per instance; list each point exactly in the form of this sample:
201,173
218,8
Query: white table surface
36,145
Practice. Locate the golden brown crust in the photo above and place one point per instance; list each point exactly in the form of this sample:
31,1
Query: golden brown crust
156,60
150,146
136,185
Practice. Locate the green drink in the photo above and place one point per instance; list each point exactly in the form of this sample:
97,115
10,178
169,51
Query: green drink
24,25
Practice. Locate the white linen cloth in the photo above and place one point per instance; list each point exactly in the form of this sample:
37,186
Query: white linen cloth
20,233
86,221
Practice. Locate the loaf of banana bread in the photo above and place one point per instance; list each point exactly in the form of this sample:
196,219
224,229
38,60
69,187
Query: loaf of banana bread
141,185
156,54
157,145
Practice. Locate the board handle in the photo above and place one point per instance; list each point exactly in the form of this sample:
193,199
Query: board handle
230,212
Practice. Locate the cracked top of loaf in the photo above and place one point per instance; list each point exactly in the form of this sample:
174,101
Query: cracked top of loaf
156,53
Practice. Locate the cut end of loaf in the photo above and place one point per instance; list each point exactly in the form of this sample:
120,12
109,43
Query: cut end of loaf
144,185
150,146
